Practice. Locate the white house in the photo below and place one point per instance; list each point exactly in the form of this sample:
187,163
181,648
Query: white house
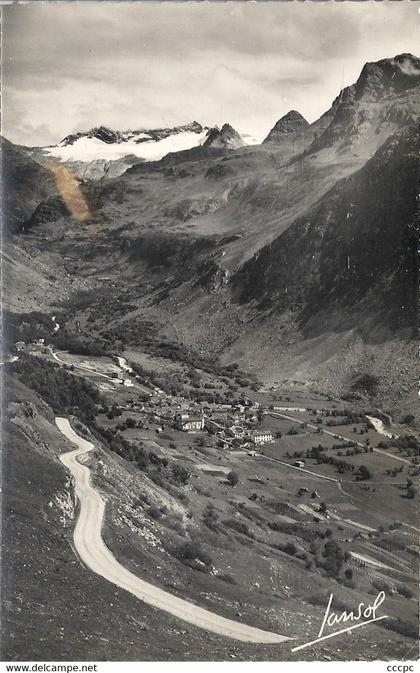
262,436
289,409
189,423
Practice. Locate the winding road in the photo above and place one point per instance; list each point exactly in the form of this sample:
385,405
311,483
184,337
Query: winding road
95,554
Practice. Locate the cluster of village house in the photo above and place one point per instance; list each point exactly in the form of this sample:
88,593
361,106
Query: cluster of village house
225,421
37,345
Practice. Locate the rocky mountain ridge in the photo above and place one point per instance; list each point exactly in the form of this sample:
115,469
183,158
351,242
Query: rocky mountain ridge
103,152
291,123
225,137
110,137
250,253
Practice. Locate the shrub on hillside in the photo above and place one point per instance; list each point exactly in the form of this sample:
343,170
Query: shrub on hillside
363,473
239,527
290,548
334,558
191,552
405,591
154,512
180,474
210,517
366,383
227,578
408,629
232,478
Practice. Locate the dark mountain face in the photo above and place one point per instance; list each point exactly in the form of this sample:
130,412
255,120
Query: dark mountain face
225,137
354,250
387,92
101,133
291,123
159,134
389,75
25,185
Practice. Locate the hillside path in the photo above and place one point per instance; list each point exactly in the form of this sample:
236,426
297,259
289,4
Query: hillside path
92,550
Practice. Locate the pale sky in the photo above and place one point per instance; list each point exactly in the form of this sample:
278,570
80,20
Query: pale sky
69,66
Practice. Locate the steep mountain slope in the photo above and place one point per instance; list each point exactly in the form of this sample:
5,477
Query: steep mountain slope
94,169
356,245
385,96
249,254
336,294
41,575
25,185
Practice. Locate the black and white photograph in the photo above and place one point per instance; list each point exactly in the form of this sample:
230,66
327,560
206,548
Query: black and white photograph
210,385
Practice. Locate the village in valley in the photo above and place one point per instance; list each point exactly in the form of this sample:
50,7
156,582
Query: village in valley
249,496
217,418
234,425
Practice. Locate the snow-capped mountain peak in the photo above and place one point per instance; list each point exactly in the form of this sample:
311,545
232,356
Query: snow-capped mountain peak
102,143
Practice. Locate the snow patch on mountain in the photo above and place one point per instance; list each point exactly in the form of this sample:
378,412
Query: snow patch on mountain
90,148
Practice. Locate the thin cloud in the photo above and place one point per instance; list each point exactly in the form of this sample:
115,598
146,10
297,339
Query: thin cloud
70,66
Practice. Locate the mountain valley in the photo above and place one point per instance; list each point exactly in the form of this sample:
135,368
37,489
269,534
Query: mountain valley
274,247
231,328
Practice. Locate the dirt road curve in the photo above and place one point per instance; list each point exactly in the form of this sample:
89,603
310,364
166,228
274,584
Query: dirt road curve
90,370
96,555
346,439
85,369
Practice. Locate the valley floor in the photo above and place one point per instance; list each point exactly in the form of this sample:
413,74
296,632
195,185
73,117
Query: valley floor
249,553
